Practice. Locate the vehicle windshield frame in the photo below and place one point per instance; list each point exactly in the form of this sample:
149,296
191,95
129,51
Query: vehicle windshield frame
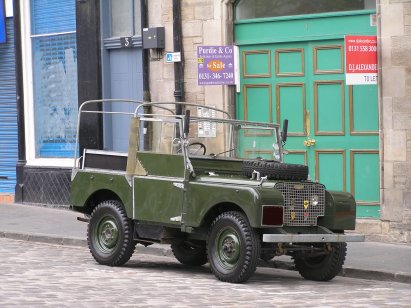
245,125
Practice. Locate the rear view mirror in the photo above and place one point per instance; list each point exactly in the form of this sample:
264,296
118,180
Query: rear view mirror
284,131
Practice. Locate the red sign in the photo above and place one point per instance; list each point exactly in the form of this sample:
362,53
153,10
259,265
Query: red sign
360,59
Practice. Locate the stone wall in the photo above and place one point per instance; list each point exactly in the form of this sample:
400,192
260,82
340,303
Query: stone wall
203,24
395,101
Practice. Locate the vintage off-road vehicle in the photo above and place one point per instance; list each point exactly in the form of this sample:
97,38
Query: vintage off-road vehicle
214,188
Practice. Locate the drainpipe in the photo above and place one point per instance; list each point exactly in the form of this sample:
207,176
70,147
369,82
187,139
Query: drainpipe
21,163
146,68
146,55
178,47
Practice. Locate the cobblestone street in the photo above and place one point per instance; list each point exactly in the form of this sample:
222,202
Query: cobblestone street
34,274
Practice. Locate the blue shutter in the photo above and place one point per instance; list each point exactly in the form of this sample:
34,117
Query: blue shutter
53,16
8,113
2,23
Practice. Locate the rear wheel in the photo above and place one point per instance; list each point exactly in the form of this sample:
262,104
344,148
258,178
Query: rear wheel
233,247
190,253
110,234
321,267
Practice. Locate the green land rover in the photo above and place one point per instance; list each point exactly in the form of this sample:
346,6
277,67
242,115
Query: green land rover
214,188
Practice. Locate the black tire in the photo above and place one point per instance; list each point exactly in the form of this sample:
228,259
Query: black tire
268,251
110,234
193,254
322,267
233,248
275,170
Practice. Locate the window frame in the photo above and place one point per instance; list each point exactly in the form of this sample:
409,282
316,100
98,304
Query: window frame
28,90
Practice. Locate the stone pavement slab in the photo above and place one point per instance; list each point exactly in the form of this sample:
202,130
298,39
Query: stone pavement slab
370,260
66,276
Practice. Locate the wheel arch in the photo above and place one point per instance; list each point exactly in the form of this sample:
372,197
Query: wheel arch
209,200
96,198
218,209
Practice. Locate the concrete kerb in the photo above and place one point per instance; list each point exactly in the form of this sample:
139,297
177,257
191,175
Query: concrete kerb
40,238
160,251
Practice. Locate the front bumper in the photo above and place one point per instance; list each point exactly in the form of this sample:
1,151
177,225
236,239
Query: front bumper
312,238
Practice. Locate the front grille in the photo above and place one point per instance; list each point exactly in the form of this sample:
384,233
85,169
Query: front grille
300,202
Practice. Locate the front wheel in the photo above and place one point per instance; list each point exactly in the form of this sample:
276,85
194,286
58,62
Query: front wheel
233,247
321,267
110,234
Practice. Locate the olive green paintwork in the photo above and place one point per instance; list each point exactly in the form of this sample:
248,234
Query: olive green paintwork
162,164
216,164
158,200
85,184
340,211
164,194
205,192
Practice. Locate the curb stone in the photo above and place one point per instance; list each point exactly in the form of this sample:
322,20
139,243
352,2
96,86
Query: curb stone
159,251
40,238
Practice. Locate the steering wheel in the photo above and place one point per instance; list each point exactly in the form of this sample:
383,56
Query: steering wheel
195,147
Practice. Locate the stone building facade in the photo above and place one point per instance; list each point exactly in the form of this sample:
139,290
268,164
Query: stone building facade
211,22
394,31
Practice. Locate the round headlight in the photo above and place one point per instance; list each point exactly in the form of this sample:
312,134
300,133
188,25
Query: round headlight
314,200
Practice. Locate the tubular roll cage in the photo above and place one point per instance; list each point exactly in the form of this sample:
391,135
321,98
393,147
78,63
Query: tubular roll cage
161,105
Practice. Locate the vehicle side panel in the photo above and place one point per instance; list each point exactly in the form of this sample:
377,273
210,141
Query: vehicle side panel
202,197
86,183
158,199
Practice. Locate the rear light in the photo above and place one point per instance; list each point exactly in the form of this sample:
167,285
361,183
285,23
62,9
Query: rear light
272,215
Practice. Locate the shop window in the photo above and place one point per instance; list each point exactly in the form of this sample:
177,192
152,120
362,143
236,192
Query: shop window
248,9
125,18
54,55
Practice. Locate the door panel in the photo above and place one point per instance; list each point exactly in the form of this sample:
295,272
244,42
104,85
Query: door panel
289,62
259,97
125,82
290,104
329,108
257,63
363,102
331,168
122,67
158,200
364,176
328,59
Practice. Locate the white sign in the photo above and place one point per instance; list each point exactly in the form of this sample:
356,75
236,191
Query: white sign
206,128
9,8
172,57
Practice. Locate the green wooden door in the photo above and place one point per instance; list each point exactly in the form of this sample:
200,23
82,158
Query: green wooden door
333,128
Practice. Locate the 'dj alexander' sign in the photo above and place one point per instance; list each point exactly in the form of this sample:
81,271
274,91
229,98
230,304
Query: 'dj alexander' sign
215,65
360,59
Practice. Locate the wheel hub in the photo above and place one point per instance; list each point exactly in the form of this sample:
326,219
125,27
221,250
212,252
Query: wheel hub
228,244
108,234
